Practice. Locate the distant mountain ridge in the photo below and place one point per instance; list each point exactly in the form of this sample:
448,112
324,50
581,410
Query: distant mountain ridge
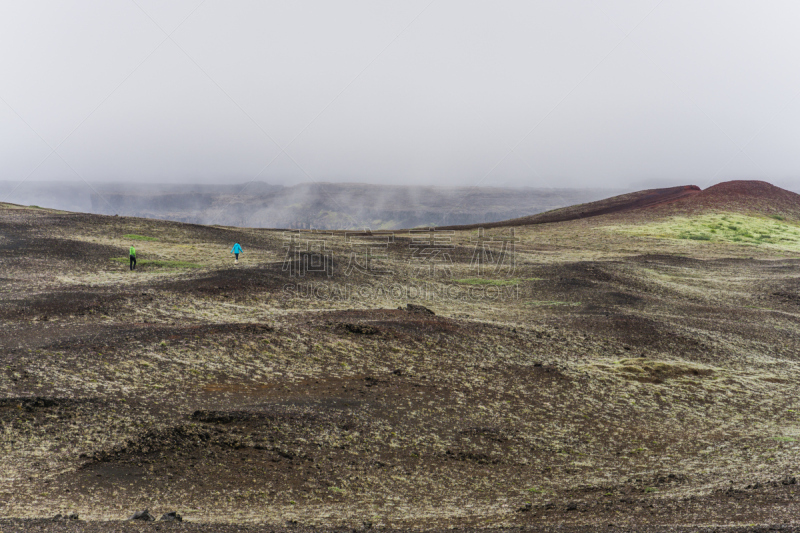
333,206
341,205
337,206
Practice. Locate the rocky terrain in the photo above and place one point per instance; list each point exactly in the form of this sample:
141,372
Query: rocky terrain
635,370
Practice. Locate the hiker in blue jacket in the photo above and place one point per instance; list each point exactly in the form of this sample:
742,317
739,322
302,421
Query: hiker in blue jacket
237,249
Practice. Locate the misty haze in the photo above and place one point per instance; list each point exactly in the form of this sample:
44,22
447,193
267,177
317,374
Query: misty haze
421,265
305,206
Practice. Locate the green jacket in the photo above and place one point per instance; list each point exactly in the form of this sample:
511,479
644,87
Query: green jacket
133,251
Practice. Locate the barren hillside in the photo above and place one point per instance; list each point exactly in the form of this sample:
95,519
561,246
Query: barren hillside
585,374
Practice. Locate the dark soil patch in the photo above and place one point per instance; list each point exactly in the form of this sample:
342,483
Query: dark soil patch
234,280
35,404
390,321
42,411
632,329
113,341
358,329
61,303
23,242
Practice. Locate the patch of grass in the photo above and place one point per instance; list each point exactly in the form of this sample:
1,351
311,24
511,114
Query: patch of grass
543,303
647,370
729,228
695,236
483,281
158,263
134,237
784,439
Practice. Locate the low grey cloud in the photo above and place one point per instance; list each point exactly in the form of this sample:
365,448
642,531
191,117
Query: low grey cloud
513,93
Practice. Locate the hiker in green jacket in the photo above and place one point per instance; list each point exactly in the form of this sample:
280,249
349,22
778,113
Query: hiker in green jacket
133,257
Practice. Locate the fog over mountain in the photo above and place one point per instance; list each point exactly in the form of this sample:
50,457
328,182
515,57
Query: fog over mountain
525,94
303,206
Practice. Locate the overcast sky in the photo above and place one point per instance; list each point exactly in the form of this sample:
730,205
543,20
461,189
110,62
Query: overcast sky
450,92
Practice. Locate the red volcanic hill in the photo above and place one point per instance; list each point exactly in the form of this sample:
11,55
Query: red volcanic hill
746,197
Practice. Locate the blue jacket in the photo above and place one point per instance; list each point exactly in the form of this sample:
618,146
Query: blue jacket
236,249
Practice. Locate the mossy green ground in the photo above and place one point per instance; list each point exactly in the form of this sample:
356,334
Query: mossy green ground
488,281
724,228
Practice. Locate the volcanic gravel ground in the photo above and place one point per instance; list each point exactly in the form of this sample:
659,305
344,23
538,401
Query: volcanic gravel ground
619,386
